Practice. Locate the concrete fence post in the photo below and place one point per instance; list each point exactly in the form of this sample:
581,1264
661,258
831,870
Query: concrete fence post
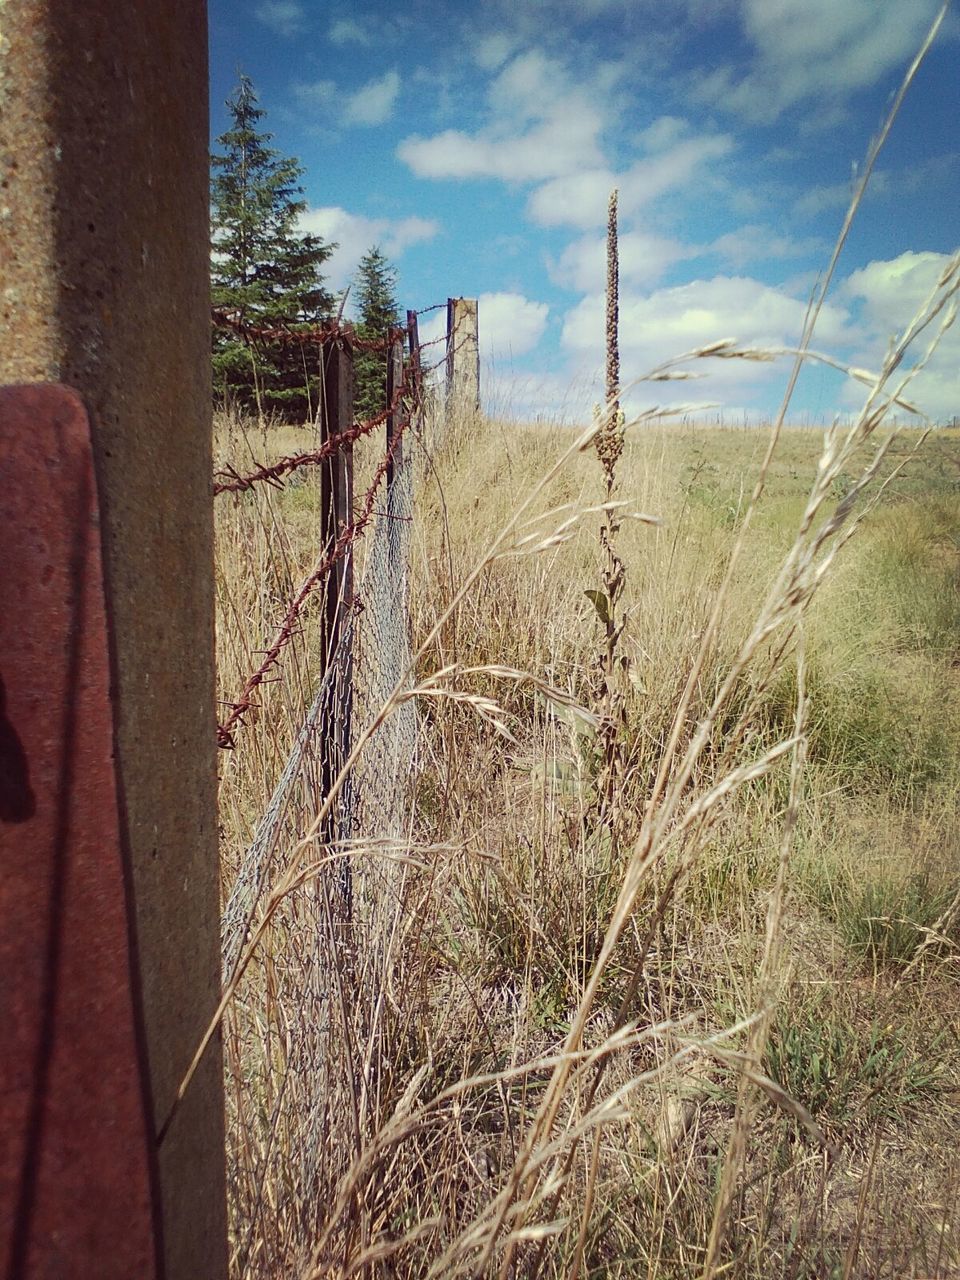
463,357
104,290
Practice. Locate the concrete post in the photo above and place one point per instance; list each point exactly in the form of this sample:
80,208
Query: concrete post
104,288
463,357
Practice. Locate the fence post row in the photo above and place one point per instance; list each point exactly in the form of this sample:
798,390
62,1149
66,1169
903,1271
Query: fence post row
109,883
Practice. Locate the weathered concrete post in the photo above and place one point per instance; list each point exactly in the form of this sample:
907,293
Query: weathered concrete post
463,357
104,288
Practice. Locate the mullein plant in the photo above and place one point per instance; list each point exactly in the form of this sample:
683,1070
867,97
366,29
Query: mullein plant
610,423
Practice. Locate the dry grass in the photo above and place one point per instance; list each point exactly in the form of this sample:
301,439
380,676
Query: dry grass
456,1037
699,1019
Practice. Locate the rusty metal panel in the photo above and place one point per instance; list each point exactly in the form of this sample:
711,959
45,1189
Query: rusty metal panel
76,1161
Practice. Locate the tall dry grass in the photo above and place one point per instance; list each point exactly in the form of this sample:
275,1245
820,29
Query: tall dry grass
715,1037
508,888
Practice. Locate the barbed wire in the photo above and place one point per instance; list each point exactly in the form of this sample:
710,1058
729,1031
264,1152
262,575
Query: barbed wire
274,473
285,632
231,481
290,333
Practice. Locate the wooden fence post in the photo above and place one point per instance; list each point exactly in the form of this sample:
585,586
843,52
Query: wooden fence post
109,881
336,514
396,411
413,344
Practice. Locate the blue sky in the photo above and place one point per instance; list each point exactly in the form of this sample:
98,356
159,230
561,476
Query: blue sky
477,144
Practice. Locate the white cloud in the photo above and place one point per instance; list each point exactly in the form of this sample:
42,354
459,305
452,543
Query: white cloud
923,176
492,51
516,394
856,324
374,102
544,128
889,294
529,87
663,133
509,324
354,234
286,17
644,259
318,93
348,31
371,104
817,50
573,199
757,244
893,290
651,177
836,196
548,149
541,125
580,199
660,325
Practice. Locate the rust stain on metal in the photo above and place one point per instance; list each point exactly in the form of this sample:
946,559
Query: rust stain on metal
76,1162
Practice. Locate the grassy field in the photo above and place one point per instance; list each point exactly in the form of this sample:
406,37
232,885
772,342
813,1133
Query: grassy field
668,982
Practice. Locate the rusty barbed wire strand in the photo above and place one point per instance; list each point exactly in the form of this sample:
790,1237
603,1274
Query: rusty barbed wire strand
274,473
411,387
288,335
285,632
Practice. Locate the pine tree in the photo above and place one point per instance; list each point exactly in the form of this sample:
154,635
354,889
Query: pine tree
377,313
262,269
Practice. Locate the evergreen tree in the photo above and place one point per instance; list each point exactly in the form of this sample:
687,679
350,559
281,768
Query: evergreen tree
377,313
262,269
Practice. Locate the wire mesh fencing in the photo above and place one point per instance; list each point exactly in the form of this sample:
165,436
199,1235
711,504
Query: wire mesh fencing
307,913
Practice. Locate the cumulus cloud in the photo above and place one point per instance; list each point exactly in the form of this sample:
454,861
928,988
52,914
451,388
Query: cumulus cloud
374,102
371,104
664,132
580,199
509,325
889,293
666,322
573,199
348,31
543,128
492,51
551,147
317,94
540,126
818,50
856,324
286,17
892,290
644,259
354,234
753,243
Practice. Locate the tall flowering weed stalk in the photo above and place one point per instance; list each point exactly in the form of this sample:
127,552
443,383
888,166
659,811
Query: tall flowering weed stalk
610,424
